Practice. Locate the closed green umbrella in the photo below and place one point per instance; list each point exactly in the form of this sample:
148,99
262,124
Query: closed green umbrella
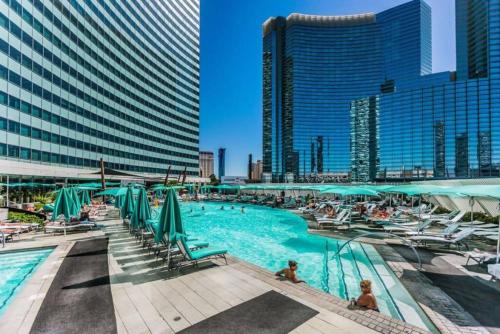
128,204
85,197
170,222
142,211
119,201
76,201
63,205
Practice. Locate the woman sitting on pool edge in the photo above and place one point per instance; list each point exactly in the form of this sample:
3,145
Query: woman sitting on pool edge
289,273
367,299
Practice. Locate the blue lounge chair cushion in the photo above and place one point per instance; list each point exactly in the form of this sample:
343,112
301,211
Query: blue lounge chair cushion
203,253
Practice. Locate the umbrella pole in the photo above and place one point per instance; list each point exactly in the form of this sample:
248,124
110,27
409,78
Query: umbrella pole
471,203
419,208
498,241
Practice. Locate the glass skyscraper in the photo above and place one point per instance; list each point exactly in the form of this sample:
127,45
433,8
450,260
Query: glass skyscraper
314,66
117,79
354,97
449,129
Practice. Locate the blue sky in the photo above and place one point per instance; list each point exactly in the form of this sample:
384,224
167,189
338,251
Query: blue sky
231,67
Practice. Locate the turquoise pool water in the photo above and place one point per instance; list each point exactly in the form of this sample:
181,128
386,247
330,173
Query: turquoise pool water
15,269
270,237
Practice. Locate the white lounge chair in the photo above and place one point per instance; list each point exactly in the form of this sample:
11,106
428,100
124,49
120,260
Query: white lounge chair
456,240
418,228
446,232
494,270
479,256
453,220
338,220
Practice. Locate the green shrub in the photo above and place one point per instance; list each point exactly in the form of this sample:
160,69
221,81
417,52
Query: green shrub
441,210
25,218
481,217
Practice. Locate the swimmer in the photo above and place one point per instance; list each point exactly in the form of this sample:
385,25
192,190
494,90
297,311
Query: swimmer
222,207
289,273
242,209
232,207
202,208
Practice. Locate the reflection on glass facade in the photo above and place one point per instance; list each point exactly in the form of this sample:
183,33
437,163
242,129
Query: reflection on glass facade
439,131
81,80
449,129
364,139
314,66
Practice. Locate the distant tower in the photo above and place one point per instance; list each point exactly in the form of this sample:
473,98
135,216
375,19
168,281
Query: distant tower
222,162
250,166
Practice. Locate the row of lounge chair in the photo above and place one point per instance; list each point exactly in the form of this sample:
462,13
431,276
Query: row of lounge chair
185,250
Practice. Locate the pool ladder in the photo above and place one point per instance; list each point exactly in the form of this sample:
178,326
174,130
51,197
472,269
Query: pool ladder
382,234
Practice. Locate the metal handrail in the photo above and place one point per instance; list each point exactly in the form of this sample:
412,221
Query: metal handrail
383,234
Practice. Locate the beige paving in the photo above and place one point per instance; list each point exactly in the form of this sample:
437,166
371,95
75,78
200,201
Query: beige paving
149,299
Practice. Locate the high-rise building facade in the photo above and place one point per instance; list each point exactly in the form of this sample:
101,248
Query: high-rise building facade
206,163
221,163
314,66
81,80
450,129
256,174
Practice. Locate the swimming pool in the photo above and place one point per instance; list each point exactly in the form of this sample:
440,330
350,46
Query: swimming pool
270,237
15,270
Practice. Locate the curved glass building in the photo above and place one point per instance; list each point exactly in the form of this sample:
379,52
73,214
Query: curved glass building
117,79
441,128
314,66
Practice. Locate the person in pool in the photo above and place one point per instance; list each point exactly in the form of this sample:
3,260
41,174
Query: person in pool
367,299
222,207
289,273
202,208
242,209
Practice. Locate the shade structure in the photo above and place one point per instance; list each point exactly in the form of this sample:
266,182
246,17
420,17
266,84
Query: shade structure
28,185
170,224
162,187
142,211
487,191
85,197
116,192
127,208
349,191
206,188
98,185
415,189
222,187
63,205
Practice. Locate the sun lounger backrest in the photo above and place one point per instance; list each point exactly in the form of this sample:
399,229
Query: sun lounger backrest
463,234
450,229
423,225
184,248
341,215
458,216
